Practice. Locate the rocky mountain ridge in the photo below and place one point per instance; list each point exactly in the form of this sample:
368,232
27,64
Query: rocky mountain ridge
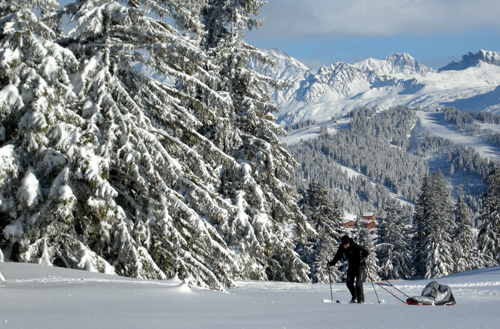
472,60
398,79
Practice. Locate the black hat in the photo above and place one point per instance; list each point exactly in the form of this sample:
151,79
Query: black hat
346,239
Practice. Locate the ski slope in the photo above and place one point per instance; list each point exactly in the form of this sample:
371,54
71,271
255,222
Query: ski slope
435,123
432,122
313,132
37,296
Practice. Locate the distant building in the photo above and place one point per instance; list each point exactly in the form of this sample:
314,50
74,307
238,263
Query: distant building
349,223
367,222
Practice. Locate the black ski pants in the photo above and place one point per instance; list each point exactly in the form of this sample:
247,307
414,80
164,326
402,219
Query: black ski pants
355,274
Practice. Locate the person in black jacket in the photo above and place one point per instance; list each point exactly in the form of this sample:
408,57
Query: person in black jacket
357,263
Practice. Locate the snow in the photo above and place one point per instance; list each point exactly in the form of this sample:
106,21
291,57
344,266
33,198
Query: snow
7,162
10,97
397,80
306,133
37,296
14,229
434,122
30,190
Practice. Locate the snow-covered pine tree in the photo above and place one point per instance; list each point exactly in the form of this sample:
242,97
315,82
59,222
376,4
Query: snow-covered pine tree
227,20
420,225
322,245
365,240
393,251
161,173
489,231
96,179
43,138
436,254
358,226
463,238
330,235
248,132
338,212
306,249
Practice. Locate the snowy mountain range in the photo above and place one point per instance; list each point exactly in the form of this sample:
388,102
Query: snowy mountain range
398,79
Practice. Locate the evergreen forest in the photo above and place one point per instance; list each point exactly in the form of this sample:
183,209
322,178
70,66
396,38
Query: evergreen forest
429,191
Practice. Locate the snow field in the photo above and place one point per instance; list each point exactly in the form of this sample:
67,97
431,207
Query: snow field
38,296
435,123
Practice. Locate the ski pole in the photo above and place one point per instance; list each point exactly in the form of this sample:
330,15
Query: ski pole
391,285
330,275
371,279
389,292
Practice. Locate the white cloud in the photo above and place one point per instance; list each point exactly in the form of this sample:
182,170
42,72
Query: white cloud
305,18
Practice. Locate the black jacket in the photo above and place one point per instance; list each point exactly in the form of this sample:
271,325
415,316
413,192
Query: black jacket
355,254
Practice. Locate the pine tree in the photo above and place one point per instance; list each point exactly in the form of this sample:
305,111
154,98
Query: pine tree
365,240
43,136
109,167
463,240
420,225
392,245
434,225
249,134
228,19
164,172
489,230
320,246
331,235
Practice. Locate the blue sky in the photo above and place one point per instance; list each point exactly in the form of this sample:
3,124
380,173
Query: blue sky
321,32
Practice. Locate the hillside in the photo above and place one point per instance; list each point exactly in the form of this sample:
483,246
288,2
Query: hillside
387,153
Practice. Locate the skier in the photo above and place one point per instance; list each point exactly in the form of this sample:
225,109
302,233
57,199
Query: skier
357,263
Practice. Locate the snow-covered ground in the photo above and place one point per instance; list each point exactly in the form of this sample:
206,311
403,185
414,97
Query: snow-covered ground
296,136
37,296
435,123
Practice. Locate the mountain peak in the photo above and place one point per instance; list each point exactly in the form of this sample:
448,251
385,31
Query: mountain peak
278,55
276,52
394,64
405,56
284,67
472,60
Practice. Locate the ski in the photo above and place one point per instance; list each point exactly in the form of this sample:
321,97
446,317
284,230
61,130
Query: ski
331,301
337,301
340,302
